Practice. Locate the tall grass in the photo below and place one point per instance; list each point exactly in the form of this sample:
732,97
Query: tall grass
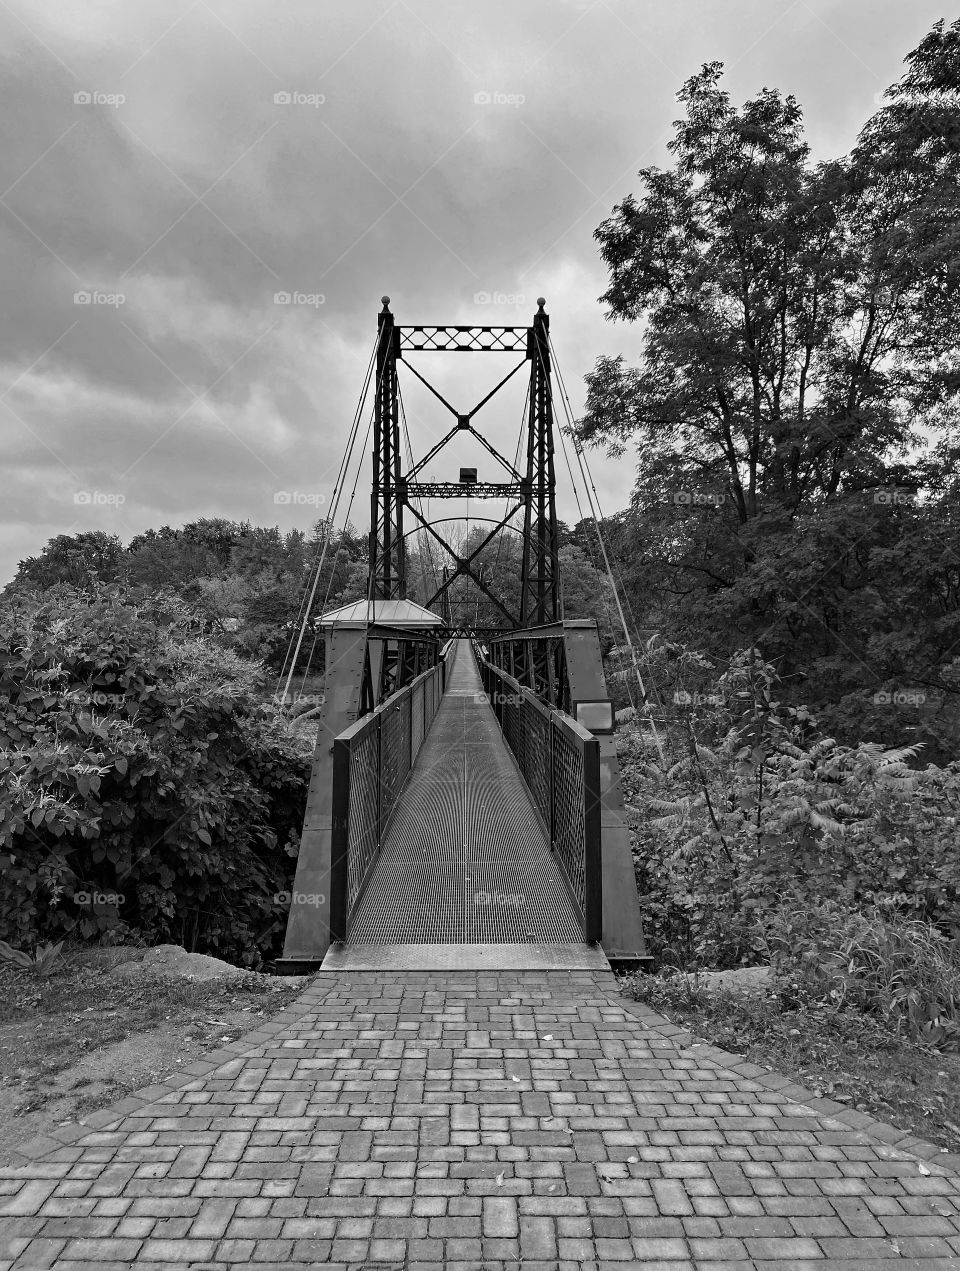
899,969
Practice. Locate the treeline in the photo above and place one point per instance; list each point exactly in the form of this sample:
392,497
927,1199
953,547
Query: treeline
248,584
245,582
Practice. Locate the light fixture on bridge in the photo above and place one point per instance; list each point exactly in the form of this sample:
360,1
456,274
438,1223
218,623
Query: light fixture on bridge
596,717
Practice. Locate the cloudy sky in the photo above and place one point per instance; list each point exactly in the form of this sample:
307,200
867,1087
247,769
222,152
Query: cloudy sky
436,151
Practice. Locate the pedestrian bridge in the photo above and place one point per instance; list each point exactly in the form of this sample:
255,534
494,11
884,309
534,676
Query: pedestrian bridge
464,808
465,829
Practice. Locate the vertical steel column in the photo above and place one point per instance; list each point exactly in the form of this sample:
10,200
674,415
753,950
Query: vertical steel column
592,860
387,551
540,572
340,843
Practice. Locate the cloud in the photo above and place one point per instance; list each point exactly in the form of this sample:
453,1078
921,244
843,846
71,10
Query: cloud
198,197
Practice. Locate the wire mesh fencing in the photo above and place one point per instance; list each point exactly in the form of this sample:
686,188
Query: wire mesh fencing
371,762
560,763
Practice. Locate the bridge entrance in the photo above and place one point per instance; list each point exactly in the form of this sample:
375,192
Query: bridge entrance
466,858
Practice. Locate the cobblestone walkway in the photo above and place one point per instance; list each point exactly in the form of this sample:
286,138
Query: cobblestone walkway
497,1120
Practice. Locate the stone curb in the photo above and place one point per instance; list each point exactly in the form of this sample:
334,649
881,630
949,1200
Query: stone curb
892,1135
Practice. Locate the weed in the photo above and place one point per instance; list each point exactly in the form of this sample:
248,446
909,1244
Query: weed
43,960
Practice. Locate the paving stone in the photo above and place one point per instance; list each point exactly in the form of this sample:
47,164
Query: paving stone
378,1123
27,1200
500,1217
662,1248
782,1247
100,1250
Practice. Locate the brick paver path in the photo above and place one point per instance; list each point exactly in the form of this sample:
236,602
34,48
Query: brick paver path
497,1120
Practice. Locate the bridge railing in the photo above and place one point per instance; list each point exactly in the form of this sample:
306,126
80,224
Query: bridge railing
371,762
560,762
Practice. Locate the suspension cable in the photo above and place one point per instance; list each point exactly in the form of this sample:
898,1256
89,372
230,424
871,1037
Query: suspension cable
337,554
623,589
591,557
344,465
304,612
596,513
420,534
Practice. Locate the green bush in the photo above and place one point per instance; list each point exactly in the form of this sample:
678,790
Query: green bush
148,789
901,970
752,804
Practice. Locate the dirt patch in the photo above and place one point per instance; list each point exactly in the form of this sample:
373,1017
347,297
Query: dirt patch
172,961
109,1021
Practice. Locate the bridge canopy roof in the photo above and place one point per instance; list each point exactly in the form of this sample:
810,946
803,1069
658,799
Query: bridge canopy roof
391,613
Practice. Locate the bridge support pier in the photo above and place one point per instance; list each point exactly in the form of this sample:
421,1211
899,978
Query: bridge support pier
622,938
308,923
366,659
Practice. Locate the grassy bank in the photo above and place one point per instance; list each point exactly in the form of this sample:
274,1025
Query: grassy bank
839,1053
84,1038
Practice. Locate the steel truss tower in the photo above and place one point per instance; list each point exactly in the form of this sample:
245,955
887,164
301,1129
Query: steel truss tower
533,493
388,575
540,575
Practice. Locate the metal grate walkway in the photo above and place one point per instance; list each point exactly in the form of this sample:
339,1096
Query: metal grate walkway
465,859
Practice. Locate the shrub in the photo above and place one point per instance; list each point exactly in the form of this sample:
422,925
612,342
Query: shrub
148,789
901,970
751,803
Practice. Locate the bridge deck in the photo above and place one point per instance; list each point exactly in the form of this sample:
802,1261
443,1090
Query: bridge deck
465,859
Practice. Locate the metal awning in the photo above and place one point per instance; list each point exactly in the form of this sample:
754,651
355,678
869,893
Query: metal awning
390,613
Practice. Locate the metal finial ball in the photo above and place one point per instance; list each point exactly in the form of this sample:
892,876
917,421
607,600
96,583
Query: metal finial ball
385,300
541,301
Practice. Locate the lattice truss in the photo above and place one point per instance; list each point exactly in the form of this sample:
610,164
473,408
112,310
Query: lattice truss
465,339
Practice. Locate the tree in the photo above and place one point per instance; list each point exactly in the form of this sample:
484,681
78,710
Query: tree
71,559
139,763
907,168
588,594
767,373
180,558
798,340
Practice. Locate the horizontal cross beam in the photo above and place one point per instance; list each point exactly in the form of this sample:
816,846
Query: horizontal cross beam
466,490
465,339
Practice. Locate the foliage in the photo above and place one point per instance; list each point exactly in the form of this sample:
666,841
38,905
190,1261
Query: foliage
246,582
794,407
72,559
148,789
43,960
902,970
751,808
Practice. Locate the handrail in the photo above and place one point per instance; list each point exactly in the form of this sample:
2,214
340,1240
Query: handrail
560,762
371,761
